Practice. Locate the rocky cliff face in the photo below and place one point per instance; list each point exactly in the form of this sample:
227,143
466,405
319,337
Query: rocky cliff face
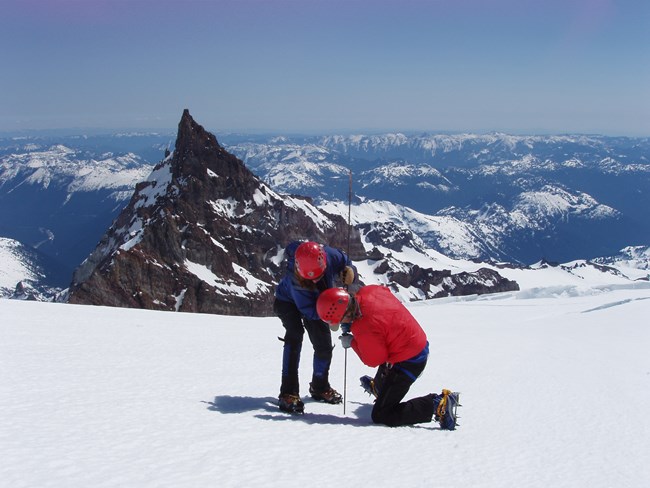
202,234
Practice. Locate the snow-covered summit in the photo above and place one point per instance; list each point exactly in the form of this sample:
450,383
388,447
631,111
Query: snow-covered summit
634,261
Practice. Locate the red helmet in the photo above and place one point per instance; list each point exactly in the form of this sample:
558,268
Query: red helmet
311,260
332,304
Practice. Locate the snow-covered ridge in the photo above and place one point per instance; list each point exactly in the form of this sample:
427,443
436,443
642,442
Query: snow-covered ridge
632,260
16,266
449,234
536,206
468,233
412,238
22,274
295,176
73,171
401,173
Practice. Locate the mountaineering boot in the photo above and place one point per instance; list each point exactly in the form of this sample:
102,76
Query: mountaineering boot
291,403
328,395
445,412
368,384
372,386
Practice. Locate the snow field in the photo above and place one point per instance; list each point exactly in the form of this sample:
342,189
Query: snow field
555,391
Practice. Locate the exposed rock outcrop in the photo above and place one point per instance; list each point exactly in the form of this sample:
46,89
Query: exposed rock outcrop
437,284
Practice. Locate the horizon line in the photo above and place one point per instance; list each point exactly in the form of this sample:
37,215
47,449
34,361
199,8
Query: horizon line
97,131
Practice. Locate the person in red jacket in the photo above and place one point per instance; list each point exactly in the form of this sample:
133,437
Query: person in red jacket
384,334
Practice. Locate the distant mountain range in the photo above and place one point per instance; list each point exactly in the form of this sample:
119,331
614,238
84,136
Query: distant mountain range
515,198
492,198
60,198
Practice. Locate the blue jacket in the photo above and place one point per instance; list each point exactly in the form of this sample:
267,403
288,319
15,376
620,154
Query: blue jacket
289,289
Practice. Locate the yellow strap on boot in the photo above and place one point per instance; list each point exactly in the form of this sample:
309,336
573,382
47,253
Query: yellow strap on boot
440,411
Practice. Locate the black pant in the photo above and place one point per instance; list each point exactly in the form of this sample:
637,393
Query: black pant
319,335
393,383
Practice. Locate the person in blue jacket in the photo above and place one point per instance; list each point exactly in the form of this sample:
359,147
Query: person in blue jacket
311,269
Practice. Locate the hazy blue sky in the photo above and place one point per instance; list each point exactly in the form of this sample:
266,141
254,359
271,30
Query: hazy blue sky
522,66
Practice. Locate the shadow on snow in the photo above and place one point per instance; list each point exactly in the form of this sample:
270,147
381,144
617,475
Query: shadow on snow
227,404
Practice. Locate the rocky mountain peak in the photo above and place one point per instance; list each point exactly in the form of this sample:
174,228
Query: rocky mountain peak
202,234
198,150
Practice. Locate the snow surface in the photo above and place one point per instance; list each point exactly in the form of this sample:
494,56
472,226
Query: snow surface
555,387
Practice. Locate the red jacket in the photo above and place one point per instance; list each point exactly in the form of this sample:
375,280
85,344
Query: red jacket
386,332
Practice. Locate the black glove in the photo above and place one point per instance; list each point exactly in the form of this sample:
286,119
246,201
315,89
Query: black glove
346,340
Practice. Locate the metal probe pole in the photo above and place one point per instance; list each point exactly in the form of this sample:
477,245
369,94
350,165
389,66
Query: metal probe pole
345,364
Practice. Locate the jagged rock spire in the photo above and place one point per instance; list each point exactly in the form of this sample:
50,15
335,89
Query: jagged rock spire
202,234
